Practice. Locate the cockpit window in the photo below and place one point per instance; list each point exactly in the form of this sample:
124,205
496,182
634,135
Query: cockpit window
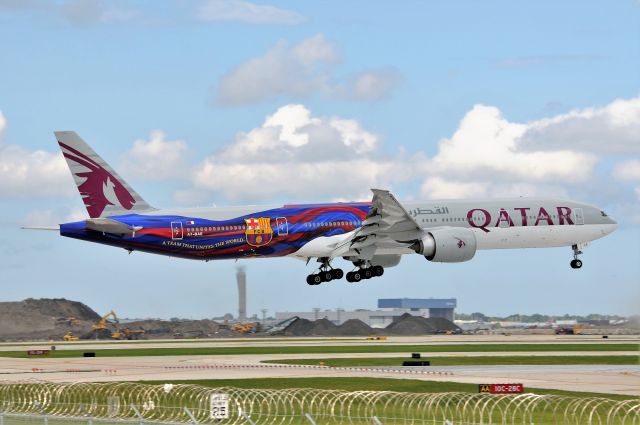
604,214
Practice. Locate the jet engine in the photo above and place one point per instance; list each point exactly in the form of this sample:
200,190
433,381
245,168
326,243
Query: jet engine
449,245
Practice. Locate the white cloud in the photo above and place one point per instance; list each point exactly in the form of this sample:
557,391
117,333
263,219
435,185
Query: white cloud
627,170
246,12
156,158
283,70
297,71
32,174
485,145
295,154
449,188
613,128
369,85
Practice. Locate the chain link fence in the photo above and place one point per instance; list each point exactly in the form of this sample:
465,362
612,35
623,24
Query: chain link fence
41,403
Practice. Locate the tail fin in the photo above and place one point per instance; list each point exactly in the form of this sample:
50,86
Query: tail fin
102,190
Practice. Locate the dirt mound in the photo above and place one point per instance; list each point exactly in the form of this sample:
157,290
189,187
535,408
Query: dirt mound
416,325
323,327
44,318
300,327
179,328
354,327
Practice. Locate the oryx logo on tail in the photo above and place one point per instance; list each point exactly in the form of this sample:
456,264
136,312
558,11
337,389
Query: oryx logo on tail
100,188
103,191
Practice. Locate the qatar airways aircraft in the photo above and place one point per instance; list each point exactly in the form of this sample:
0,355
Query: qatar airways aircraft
371,235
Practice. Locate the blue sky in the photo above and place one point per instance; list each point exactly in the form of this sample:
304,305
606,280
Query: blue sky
207,102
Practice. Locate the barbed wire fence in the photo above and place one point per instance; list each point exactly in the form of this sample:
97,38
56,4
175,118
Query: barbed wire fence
43,403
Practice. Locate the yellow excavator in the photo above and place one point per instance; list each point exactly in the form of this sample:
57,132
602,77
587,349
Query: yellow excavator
245,328
102,328
69,336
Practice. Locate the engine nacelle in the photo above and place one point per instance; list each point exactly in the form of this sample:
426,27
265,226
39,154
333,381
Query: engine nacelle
447,245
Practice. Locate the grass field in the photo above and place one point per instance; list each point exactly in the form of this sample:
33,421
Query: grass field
371,384
470,361
321,349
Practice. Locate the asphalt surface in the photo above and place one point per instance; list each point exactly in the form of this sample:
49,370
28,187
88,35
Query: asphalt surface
599,378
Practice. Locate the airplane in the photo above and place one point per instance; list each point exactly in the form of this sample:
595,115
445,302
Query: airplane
371,235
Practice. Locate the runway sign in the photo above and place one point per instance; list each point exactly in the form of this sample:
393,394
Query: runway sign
37,352
219,406
500,388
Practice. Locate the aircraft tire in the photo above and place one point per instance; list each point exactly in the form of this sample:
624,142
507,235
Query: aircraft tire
337,273
356,276
310,280
576,264
326,276
350,277
367,273
316,279
378,271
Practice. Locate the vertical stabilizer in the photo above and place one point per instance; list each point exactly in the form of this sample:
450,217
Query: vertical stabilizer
103,191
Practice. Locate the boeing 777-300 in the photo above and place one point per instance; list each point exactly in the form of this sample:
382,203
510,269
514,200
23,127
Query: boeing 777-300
370,235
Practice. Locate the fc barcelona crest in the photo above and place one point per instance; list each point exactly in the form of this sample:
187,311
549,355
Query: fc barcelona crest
259,231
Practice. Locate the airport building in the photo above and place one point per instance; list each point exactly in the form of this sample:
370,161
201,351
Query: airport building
389,309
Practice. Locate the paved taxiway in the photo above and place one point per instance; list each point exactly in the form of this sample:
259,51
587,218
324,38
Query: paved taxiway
600,378
323,341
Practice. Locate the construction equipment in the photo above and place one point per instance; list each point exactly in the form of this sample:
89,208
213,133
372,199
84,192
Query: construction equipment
126,333
69,336
102,328
244,328
102,324
71,321
570,330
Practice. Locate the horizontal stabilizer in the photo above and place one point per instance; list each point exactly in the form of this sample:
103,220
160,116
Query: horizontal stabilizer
107,225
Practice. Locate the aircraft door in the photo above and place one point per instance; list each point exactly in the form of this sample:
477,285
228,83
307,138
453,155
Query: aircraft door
177,232
282,226
578,215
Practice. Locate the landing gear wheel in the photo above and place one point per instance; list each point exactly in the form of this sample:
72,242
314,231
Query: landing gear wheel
356,276
337,273
310,280
326,276
576,264
367,273
350,277
378,271
316,278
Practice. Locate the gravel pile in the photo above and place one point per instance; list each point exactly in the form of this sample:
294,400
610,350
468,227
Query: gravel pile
404,325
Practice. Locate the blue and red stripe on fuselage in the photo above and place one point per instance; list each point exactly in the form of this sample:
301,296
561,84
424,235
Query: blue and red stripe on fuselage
292,226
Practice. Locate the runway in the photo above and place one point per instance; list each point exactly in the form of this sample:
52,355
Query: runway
323,341
597,378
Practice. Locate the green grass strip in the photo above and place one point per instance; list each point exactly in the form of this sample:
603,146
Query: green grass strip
320,349
470,361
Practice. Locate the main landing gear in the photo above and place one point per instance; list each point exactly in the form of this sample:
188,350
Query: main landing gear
325,274
364,272
576,263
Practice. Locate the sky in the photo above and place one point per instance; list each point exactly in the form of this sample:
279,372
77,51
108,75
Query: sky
233,102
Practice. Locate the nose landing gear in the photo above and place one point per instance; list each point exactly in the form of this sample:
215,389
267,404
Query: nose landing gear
576,263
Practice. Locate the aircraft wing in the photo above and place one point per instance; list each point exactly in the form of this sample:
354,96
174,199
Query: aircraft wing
388,226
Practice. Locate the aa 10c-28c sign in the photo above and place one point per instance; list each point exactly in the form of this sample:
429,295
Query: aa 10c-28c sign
500,388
